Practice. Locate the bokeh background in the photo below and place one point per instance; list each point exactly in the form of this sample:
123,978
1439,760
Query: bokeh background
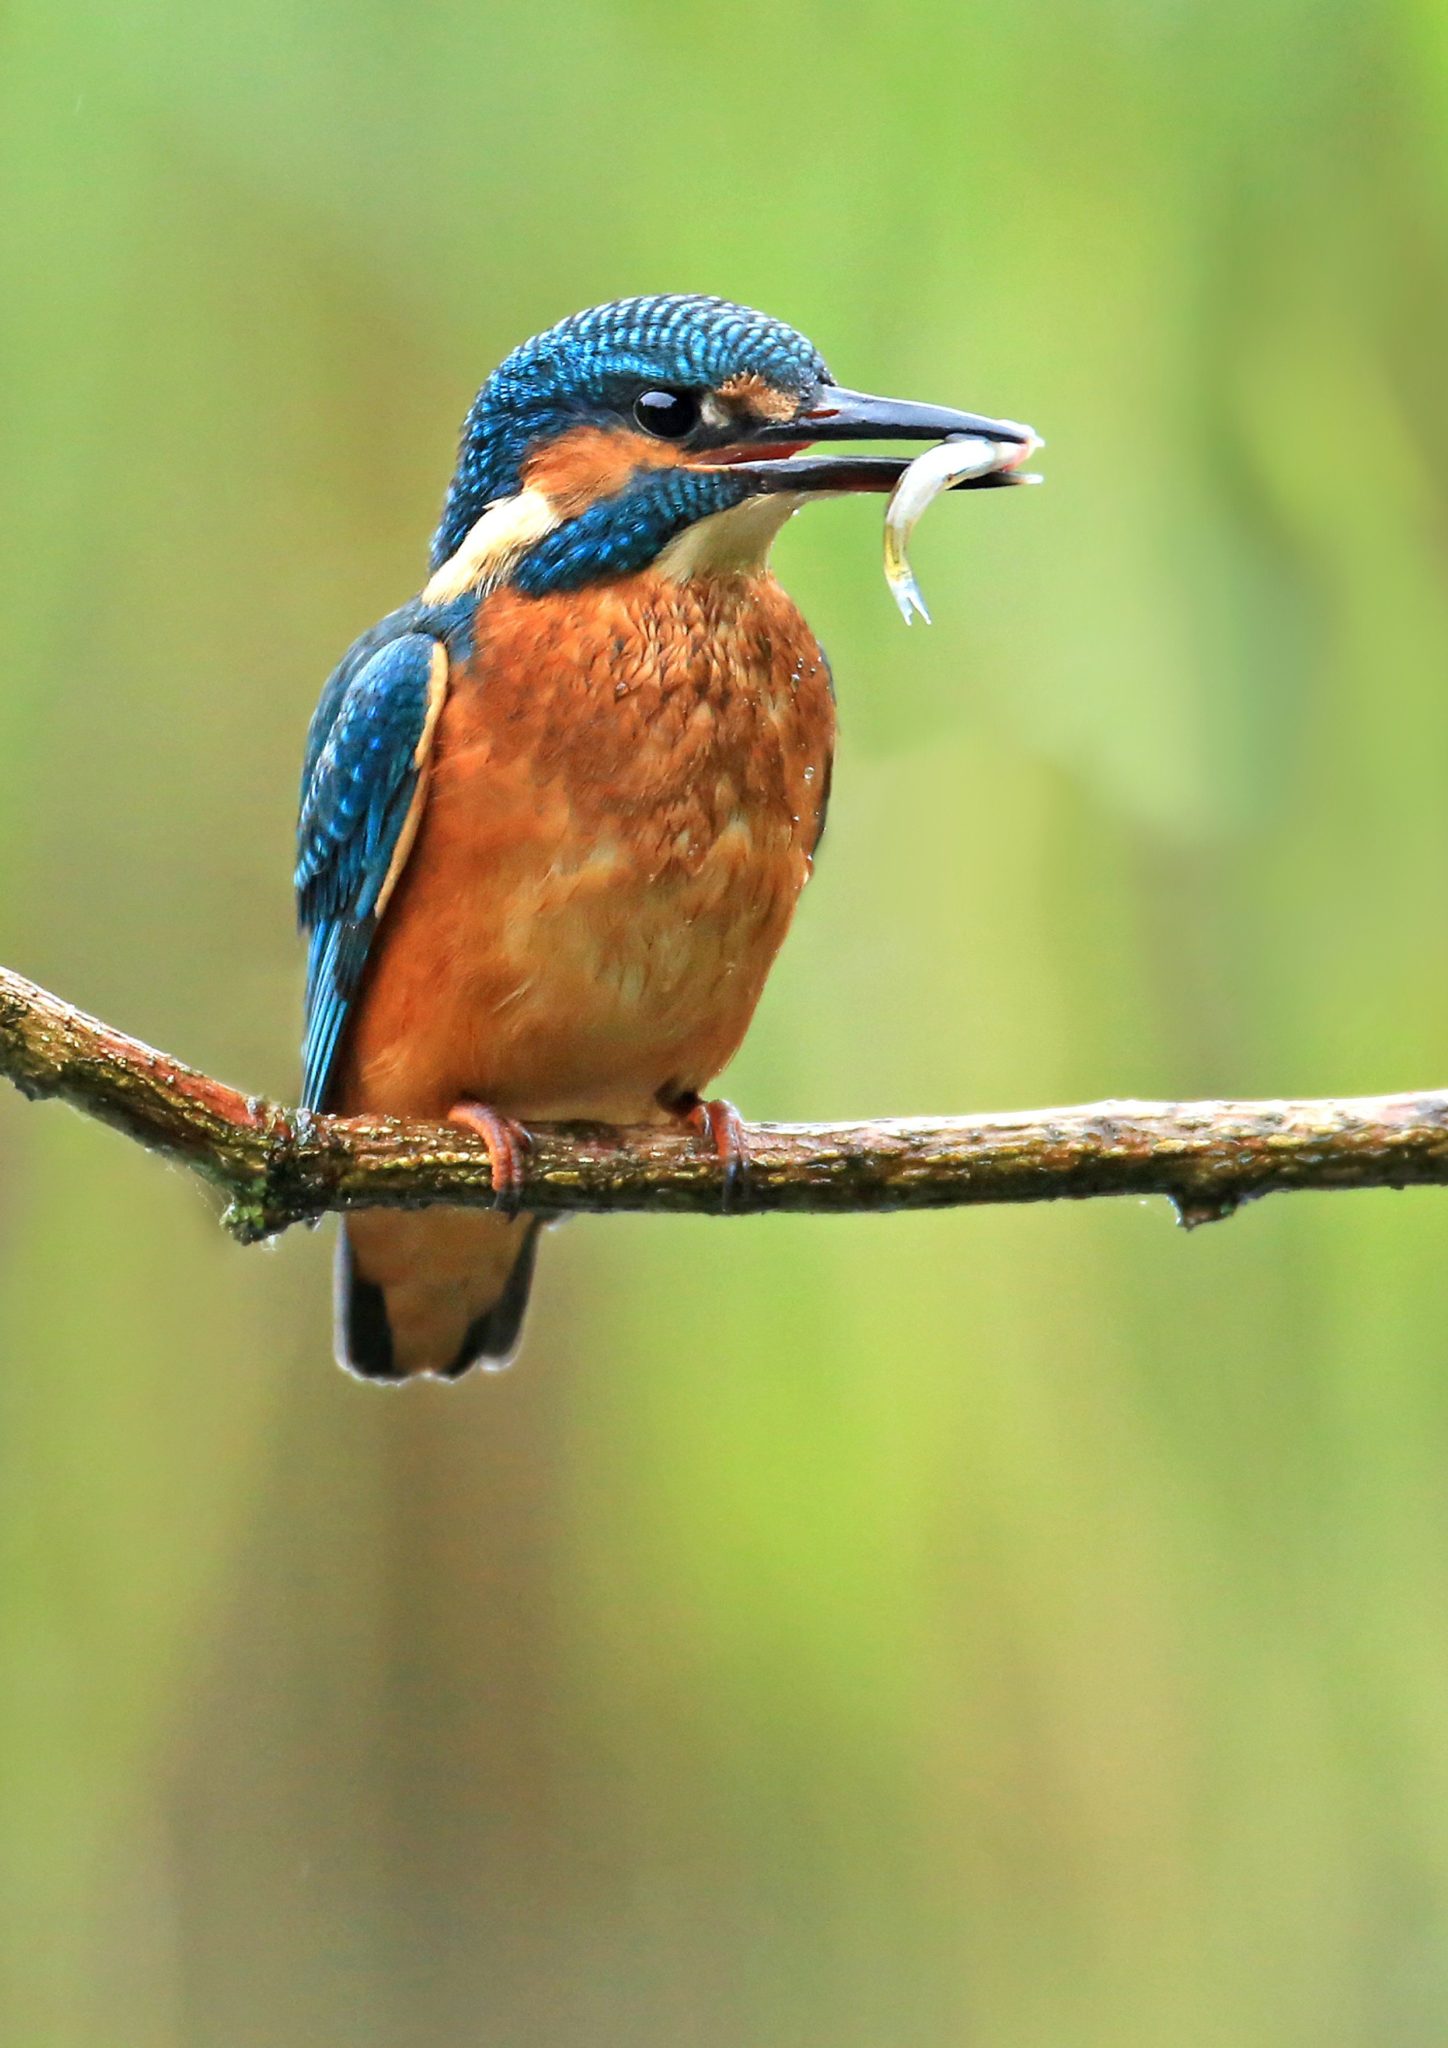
1023,1629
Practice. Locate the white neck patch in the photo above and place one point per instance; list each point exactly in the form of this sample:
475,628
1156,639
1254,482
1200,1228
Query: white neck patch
732,543
491,546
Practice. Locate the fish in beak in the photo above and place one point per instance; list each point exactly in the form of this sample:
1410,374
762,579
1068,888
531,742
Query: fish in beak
971,452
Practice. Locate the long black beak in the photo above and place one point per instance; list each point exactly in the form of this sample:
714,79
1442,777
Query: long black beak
840,415
835,414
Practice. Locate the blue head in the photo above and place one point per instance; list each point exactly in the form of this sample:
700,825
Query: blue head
597,445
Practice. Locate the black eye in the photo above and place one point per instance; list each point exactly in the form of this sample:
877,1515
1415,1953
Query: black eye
669,414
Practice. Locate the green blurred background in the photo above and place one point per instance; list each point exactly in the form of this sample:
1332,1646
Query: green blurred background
1026,1629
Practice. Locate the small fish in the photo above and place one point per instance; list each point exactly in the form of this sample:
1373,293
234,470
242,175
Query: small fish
941,468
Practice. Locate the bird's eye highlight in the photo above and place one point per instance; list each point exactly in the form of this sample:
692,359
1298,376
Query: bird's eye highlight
668,414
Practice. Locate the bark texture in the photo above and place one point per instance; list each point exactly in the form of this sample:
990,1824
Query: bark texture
277,1166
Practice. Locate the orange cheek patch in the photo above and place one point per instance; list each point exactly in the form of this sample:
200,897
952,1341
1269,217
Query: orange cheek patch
758,398
590,463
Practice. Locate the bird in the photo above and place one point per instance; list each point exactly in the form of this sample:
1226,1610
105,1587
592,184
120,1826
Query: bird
558,808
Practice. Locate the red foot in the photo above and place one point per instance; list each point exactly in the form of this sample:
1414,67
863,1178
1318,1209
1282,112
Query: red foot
507,1145
720,1123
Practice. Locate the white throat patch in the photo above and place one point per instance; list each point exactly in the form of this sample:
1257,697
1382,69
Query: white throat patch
732,543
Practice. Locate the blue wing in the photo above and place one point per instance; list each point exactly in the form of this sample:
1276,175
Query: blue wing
363,784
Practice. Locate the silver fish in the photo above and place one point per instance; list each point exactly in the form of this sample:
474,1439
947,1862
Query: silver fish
940,469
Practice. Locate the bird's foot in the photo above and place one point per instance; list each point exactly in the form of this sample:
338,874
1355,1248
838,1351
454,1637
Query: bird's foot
508,1144
721,1126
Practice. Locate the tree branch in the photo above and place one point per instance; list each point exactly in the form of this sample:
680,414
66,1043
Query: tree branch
279,1166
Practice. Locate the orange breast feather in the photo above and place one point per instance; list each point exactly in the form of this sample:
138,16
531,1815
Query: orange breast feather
627,786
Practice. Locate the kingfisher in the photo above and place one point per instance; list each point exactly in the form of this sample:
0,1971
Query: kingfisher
557,809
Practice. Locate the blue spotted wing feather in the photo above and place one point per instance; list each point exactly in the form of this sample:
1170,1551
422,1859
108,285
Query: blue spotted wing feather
363,783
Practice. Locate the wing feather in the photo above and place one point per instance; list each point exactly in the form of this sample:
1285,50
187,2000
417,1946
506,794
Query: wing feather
363,788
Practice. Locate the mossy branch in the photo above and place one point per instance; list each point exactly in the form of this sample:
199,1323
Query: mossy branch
278,1166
